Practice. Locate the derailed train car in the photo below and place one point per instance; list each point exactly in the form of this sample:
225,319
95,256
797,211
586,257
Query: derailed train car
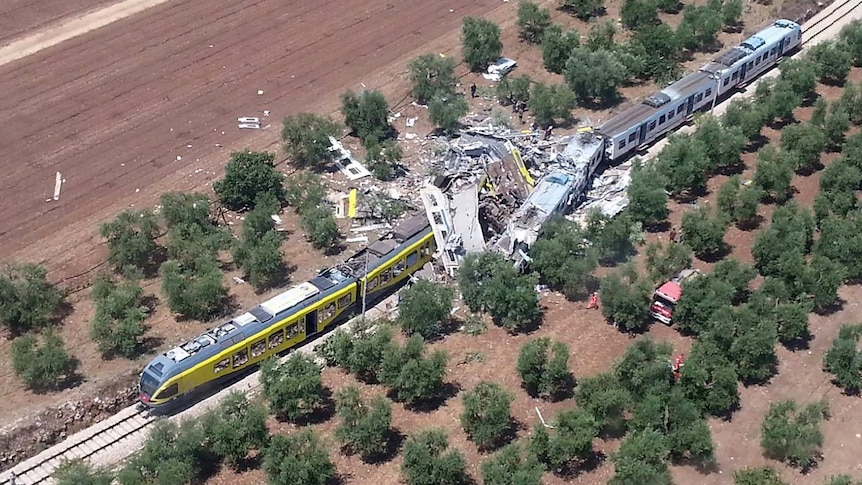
638,126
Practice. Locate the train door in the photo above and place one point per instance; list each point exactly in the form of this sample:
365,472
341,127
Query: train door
742,73
689,105
780,48
642,134
310,323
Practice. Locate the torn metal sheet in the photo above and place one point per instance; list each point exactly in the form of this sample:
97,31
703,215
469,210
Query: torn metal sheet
468,237
348,165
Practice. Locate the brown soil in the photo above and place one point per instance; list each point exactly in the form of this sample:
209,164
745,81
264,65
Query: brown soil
115,108
20,17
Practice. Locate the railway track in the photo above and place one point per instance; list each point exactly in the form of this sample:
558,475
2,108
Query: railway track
826,18
112,432
130,424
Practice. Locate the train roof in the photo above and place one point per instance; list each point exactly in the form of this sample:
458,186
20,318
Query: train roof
636,114
275,309
764,39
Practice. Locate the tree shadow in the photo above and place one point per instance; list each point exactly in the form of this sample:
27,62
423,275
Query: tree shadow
576,468
715,256
394,439
781,123
340,478
663,226
750,225
800,343
704,468
249,463
601,104
811,169
755,143
772,368
832,308
735,168
323,412
691,195
335,248
281,278
447,391
159,256
727,414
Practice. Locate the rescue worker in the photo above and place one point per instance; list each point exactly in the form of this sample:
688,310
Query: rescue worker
473,90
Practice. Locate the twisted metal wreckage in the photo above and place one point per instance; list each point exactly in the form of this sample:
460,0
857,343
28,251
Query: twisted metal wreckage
506,184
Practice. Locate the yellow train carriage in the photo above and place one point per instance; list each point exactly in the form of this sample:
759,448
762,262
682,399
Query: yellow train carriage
290,318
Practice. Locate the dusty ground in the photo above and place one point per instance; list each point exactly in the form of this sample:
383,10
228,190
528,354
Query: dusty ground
21,17
114,122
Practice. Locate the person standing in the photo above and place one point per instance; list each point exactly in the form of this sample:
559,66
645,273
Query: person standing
473,90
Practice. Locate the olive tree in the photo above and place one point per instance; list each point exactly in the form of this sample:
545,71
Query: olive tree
297,458
432,76
792,434
486,417
570,442
544,368
293,387
27,300
364,427
428,460
532,21
248,175
410,374
131,239
43,364
557,46
481,42
234,428
306,139
423,307
843,361
512,466
117,324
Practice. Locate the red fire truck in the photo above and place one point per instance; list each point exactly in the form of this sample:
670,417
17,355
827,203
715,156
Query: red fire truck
667,296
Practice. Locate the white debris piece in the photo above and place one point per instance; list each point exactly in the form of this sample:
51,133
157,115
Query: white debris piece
248,119
410,122
58,183
497,70
370,227
266,112
260,92
276,219
358,239
348,165
238,280
248,126
410,136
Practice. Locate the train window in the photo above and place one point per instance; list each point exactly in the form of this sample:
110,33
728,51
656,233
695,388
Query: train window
662,119
651,125
757,61
735,75
399,267
258,348
750,64
698,98
726,81
709,92
633,137
622,144
372,284
326,312
221,365
169,391
670,114
412,258
240,358
680,109
386,276
293,330
276,339
345,300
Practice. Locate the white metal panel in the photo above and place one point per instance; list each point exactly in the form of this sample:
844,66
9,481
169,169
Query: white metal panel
289,298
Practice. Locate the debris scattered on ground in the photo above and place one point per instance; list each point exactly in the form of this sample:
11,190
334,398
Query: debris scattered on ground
58,183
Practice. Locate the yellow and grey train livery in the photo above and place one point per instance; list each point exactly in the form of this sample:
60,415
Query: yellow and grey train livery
292,317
